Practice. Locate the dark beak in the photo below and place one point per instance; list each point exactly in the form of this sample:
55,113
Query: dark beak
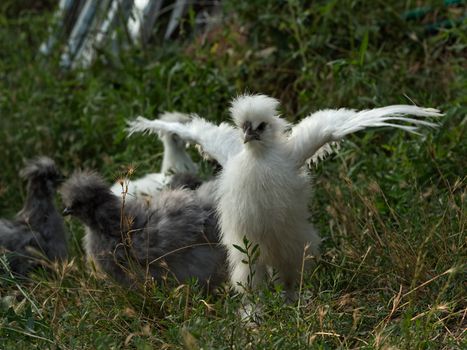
249,134
67,211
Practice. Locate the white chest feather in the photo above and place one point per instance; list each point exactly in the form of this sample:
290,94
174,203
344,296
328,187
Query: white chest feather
261,198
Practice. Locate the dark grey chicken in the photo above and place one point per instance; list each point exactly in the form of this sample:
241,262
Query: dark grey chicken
37,231
174,235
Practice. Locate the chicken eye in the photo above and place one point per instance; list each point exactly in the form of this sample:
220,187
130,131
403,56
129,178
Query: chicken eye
261,126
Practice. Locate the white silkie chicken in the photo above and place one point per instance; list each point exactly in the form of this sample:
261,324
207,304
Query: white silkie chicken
175,160
264,187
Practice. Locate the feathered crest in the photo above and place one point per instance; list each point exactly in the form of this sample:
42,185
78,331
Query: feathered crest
256,108
83,186
40,167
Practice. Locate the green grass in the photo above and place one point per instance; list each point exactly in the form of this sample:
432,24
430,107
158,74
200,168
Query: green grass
390,206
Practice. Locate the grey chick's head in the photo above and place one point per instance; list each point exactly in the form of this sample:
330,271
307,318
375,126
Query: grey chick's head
42,175
84,193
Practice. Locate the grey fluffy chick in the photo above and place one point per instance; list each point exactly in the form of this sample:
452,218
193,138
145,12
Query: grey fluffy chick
175,235
38,226
185,180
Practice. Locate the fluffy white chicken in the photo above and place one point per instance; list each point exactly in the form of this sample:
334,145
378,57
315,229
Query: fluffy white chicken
263,189
175,160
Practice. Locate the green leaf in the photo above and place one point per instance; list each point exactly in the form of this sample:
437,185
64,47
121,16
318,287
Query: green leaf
240,248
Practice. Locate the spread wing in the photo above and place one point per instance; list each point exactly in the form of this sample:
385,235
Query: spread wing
315,133
219,142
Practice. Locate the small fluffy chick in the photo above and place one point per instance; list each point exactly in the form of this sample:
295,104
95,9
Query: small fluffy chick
176,235
38,226
175,160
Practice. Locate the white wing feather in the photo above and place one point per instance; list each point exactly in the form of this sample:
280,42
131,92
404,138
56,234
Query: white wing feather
320,128
220,142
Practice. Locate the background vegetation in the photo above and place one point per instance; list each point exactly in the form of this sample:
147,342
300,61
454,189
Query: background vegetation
390,206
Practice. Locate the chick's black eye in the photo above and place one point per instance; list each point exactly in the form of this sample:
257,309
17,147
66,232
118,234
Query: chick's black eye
261,126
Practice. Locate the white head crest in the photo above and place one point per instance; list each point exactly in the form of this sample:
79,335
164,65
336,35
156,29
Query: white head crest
257,116
253,108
